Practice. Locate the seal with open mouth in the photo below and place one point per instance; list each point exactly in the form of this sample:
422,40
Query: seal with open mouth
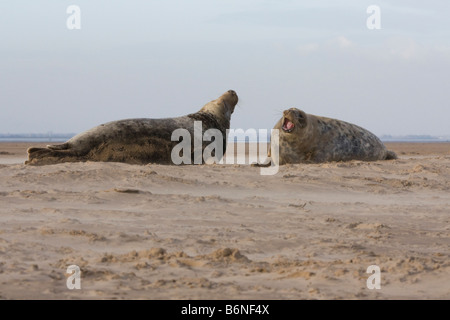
306,138
137,141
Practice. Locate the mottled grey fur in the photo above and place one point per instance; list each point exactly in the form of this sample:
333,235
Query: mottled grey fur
137,141
317,139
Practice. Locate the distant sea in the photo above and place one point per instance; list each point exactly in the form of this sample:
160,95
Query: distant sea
414,138
62,137
35,137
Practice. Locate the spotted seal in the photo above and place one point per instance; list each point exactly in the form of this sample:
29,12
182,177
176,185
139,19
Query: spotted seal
137,141
306,138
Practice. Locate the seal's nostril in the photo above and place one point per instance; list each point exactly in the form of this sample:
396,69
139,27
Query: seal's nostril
232,92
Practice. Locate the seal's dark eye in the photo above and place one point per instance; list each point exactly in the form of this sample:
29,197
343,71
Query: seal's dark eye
300,116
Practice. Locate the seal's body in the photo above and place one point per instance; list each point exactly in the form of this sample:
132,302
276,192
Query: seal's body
137,141
306,138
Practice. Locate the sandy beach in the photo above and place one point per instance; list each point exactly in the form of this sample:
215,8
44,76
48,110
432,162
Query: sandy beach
225,231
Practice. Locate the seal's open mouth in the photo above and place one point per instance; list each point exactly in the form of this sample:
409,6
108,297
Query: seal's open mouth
288,125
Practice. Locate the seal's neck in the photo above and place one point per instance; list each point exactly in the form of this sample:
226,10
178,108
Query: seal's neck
220,111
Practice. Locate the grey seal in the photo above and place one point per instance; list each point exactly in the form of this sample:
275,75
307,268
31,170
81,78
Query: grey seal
307,138
137,141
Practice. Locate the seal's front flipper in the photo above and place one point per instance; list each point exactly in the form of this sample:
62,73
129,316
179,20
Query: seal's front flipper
260,165
391,155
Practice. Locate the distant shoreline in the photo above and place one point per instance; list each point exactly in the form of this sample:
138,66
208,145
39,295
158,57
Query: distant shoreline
36,137
33,140
43,140
63,138
239,135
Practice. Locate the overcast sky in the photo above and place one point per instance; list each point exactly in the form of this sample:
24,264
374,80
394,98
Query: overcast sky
155,59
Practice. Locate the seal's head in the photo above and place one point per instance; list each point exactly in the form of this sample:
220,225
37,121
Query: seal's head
293,121
223,106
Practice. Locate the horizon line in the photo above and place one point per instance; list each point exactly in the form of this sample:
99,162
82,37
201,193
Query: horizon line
62,137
